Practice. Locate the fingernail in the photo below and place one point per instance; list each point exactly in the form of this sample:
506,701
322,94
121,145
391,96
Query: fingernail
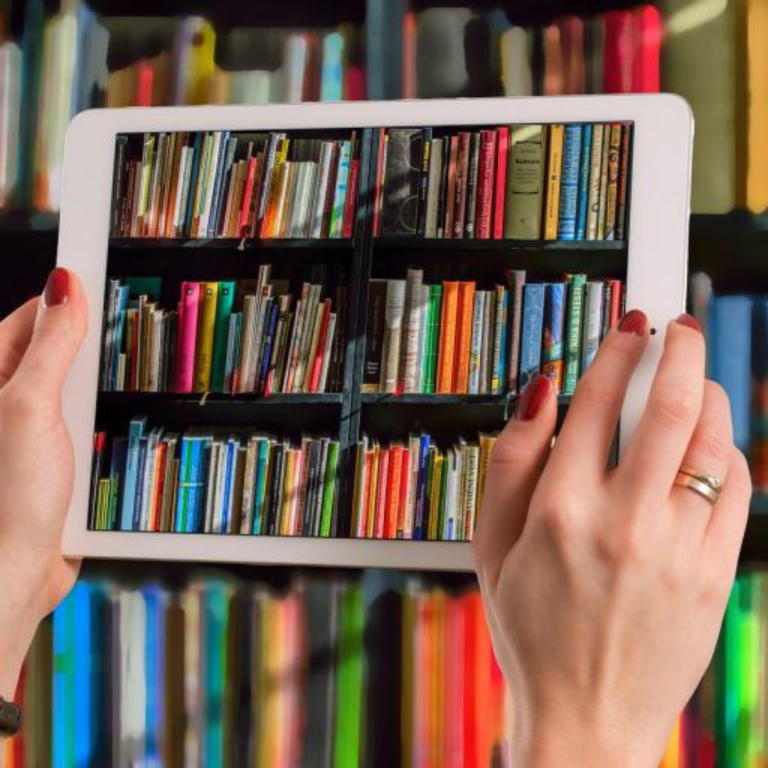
634,322
533,398
689,321
56,288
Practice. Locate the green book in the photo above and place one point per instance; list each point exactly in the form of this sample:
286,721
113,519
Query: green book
185,479
224,305
573,322
260,485
349,678
216,599
326,519
433,336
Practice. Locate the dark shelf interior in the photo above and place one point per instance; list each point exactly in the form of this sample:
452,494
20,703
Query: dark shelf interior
230,244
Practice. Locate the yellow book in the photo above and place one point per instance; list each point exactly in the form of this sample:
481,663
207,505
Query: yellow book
372,491
757,105
196,61
486,446
554,171
446,361
289,489
434,510
671,757
204,345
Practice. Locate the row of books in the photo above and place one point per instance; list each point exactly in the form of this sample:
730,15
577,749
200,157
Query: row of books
416,490
249,336
226,184
526,182
213,482
75,59
328,672
737,343
455,338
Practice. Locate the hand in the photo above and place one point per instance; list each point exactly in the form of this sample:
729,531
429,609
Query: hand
37,345
605,590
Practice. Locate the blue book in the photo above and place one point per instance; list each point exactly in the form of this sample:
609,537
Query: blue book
141,474
216,601
81,674
569,182
121,305
180,518
271,326
229,475
332,76
217,182
342,176
154,670
196,485
553,333
117,475
583,191
63,702
259,485
530,337
730,335
418,521
197,151
135,432
501,369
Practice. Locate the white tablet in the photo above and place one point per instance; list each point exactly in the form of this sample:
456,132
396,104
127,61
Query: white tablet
308,322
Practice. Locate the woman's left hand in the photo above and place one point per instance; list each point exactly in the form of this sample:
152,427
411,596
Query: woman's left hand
38,343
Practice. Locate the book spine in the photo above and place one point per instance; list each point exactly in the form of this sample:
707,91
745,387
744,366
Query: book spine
442,198
447,335
614,158
470,226
185,354
499,367
592,323
554,176
603,202
486,343
530,340
424,181
342,174
205,336
595,165
350,204
574,317
552,336
393,498
381,495
414,447
450,196
433,187
329,490
525,183
410,363
582,206
500,182
462,184
478,312
621,212
464,336
569,183
393,322
484,212
381,159
419,533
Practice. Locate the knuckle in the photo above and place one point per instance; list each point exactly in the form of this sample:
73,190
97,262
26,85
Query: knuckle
19,404
556,518
677,407
715,446
715,591
593,393
509,451
717,395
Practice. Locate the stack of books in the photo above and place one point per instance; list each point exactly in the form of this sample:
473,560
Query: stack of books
225,184
213,482
233,337
415,490
457,339
524,182
225,672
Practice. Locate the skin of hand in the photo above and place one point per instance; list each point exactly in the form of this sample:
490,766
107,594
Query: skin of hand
605,589
38,343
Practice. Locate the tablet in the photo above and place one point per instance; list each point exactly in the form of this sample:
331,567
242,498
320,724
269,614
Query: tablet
309,322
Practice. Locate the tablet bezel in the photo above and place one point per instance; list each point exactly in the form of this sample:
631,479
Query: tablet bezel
656,281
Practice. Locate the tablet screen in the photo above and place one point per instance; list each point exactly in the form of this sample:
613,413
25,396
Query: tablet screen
321,332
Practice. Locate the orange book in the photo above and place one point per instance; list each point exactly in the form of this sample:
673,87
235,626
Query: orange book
145,77
464,336
484,714
472,615
393,491
439,722
450,197
405,481
455,662
362,524
373,493
445,364
159,484
381,494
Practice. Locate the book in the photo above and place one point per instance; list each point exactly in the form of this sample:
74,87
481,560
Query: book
592,323
515,283
393,327
611,201
400,200
570,181
446,362
552,352
525,183
554,175
205,336
595,175
573,331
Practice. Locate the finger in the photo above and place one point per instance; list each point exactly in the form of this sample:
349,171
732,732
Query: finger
59,329
656,451
710,452
15,333
728,521
584,442
516,464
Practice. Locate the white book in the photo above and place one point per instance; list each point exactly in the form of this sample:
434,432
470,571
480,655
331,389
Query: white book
210,178
218,500
133,687
312,352
250,86
476,345
409,351
433,189
393,326
157,319
471,501
421,363
250,309
10,111
148,481
593,323
303,210
321,189
327,352
298,318
308,327
210,496
414,449
295,67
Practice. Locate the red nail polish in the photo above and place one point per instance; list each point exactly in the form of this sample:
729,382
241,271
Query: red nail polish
56,288
634,322
533,398
689,321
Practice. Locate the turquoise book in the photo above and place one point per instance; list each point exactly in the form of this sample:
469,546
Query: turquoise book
530,337
582,194
569,182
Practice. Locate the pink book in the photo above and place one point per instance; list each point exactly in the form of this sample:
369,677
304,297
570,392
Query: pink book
502,144
185,350
618,53
381,495
145,78
646,77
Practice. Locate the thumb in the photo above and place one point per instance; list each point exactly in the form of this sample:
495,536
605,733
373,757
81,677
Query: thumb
60,327
517,460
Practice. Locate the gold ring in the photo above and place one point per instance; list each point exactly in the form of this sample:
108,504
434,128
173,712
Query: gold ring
711,480
695,484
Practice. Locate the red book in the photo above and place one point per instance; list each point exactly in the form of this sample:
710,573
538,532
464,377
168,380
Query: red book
616,296
393,491
250,176
572,42
646,77
381,159
472,614
618,53
455,661
145,79
502,150
348,224
185,350
355,83
382,495
484,212
462,177
410,90
317,363
404,483
311,89
362,523
157,491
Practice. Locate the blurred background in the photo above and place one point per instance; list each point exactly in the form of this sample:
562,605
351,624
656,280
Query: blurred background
150,665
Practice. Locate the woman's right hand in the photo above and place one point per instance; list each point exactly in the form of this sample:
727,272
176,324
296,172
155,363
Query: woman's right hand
605,589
